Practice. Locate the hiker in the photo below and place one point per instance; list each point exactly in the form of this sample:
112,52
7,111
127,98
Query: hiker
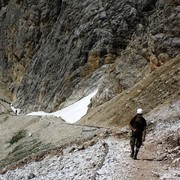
15,110
138,127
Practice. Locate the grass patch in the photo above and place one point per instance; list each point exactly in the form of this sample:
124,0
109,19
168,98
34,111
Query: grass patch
3,119
23,150
20,135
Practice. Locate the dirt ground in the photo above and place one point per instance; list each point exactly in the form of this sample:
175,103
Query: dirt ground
107,156
101,153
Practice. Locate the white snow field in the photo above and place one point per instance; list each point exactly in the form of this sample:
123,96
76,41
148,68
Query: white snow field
72,113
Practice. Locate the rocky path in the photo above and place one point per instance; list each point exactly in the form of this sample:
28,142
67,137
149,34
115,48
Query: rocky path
106,159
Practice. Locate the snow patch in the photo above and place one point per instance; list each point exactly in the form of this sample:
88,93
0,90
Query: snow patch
72,113
76,111
39,113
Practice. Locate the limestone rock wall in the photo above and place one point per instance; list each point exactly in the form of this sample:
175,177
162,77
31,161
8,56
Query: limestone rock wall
55,52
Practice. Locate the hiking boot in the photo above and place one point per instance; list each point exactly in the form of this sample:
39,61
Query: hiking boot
135,155
135,158
132,151
132,155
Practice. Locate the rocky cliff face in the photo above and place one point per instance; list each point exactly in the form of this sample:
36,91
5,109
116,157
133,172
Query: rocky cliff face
54,52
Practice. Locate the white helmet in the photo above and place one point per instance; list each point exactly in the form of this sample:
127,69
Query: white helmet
139,111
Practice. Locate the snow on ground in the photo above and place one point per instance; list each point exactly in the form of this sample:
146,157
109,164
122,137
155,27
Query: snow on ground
72,113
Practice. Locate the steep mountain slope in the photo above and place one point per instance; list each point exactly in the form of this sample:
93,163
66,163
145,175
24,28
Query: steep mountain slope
5,98
54,53
160,87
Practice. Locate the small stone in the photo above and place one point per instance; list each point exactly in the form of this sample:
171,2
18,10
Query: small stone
7,145
30,134
31,176
176,160
156,174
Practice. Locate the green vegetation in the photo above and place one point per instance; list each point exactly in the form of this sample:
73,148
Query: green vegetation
24,150
3,119
18,136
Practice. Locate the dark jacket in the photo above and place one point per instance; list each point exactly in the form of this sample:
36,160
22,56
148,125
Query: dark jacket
138,123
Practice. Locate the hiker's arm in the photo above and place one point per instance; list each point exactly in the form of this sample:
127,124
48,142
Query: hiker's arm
130,125
144,135
144,132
